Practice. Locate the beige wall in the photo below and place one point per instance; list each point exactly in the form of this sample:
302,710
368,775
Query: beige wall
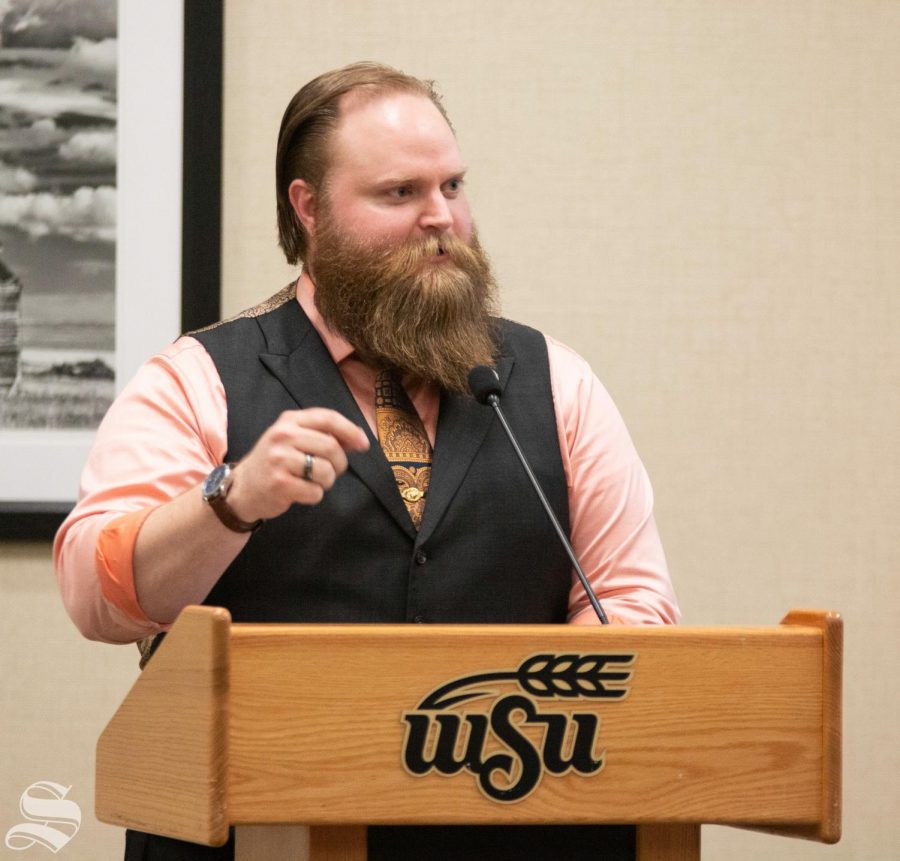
701,197
58,692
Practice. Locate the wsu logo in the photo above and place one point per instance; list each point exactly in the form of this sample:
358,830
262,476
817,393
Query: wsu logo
53,819
510,747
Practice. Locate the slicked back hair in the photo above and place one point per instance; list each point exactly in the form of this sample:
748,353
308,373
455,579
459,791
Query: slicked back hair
307,127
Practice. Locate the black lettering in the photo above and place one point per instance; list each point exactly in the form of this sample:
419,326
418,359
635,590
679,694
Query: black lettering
582,759
414,750
444,760
529,761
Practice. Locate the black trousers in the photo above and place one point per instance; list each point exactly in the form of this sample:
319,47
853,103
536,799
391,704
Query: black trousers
437,843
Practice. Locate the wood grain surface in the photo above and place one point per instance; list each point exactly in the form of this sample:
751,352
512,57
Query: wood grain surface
272,724
720,725
162,759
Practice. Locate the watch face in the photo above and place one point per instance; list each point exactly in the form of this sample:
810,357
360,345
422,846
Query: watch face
214,481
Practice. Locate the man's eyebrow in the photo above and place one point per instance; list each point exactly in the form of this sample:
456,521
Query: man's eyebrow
390,181
457,175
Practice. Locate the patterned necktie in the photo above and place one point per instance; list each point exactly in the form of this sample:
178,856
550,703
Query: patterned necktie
405,443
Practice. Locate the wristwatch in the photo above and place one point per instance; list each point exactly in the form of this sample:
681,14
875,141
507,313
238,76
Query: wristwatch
215,491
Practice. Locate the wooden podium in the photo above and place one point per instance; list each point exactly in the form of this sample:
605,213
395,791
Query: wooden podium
301,735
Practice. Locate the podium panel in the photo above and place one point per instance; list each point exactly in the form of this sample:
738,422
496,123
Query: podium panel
350,725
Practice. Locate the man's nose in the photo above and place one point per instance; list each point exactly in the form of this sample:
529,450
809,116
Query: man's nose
436,213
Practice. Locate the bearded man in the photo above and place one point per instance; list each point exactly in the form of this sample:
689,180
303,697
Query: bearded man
317,458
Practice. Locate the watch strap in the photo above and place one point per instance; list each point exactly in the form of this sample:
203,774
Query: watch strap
218,503
223,511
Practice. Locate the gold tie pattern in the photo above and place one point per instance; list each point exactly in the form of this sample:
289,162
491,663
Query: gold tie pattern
404,441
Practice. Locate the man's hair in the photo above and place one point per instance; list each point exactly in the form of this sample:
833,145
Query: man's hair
307,127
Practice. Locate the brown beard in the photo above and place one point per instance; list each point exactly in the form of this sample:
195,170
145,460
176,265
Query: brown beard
402,310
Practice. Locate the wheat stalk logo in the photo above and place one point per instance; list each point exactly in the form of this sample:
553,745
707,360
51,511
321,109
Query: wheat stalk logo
601,676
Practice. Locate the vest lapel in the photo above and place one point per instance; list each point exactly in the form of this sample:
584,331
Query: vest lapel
463,424
302,364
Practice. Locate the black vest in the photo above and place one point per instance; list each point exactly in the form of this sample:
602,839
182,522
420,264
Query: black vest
485,551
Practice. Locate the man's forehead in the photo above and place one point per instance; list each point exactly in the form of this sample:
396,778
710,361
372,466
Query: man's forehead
376,129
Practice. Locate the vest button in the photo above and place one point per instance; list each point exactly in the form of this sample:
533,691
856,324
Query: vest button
421,558
418,619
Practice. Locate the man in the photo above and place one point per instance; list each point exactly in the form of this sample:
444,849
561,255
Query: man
367,485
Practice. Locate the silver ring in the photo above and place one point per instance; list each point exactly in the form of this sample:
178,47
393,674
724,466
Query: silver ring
308,467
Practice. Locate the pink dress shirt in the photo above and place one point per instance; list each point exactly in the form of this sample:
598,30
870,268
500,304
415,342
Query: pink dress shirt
168,429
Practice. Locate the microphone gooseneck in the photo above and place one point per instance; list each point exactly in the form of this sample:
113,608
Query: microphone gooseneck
486,389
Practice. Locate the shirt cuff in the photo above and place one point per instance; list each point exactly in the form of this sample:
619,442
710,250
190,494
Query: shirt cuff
114,561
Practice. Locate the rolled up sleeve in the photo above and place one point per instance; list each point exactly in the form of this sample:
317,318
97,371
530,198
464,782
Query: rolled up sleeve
162,435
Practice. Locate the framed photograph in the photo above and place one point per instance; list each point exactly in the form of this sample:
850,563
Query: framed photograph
110,178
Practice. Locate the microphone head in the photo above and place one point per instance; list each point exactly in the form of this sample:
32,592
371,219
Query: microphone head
484,382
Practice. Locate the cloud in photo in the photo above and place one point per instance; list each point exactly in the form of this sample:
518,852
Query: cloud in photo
14,180
90,65
90,147
87,214
99,58
55,23
41,134
32,98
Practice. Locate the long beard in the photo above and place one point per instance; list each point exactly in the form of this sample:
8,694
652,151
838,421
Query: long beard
405,309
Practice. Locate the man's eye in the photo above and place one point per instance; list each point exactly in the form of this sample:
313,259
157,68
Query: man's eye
401,192
454,186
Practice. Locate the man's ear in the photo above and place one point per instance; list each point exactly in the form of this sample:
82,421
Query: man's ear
303,199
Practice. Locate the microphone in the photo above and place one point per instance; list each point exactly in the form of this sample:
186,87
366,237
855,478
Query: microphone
484,384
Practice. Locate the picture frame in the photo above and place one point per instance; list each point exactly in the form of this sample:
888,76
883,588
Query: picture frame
168,232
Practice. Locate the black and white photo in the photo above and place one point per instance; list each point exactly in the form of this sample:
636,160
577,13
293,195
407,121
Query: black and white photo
57,213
